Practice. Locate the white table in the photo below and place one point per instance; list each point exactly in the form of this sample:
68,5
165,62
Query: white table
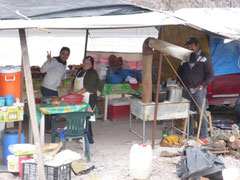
166,111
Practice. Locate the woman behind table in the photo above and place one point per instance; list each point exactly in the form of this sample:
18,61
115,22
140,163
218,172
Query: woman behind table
86,83
56,69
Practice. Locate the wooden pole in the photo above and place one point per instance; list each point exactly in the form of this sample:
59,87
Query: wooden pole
156,100
21,100
31,102
147,72
86,43
157,95
200,122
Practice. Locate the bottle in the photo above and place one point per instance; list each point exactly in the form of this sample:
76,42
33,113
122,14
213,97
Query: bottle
62,135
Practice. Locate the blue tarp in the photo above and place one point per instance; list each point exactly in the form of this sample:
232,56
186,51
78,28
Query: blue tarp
225,56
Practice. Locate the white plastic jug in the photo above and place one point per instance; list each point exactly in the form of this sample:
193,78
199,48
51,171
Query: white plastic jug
230,174
13,163
140,165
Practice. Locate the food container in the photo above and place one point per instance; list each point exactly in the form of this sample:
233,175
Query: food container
72,98
114,79
126,72
174,93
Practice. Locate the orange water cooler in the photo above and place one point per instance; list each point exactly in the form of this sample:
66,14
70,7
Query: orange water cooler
10,80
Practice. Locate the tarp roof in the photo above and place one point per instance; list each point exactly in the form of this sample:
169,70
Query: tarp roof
40,9
110,14
221,21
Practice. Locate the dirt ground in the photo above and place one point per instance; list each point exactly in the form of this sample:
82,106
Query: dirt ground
111,149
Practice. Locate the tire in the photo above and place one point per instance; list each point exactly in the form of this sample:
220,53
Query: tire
237,110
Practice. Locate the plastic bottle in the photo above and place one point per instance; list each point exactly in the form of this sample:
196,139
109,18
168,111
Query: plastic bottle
62,135
140,164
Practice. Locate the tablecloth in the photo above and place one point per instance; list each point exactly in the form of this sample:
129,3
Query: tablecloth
49,109
124,88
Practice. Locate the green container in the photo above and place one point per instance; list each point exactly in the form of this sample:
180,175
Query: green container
165,133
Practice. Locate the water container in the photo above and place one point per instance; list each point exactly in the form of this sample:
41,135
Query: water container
10,80
230,174
10,136
140,165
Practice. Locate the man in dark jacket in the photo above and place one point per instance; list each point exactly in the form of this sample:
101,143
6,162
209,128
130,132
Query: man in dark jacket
196,74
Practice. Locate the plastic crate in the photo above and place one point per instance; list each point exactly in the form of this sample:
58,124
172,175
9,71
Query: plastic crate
63,172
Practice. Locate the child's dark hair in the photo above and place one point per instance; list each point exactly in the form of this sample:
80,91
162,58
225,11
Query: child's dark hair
65,49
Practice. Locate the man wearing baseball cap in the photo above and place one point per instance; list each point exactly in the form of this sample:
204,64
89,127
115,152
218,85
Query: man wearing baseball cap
196,74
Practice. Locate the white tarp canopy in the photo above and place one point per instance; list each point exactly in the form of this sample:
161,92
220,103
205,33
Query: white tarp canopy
221,21
148,19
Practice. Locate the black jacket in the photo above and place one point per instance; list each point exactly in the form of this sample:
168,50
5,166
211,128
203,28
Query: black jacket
201,73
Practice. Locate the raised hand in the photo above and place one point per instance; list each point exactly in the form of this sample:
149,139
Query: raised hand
49,56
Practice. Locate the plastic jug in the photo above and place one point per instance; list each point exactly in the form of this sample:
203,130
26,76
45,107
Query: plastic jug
140,165
230,174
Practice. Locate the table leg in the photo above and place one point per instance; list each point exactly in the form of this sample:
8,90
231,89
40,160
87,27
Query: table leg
186,127
42,127
130,124
144,131
30,133
106,108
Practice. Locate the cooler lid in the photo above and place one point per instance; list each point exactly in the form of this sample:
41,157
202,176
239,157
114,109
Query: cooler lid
119,101
10,69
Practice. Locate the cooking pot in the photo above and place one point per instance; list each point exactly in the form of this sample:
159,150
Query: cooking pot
161,96
174,93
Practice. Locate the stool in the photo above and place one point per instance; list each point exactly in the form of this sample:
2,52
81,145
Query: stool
209,118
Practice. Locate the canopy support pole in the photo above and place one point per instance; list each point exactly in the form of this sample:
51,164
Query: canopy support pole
86,43
31,102
157,94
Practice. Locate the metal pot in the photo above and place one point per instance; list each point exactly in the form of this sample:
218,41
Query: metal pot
174,93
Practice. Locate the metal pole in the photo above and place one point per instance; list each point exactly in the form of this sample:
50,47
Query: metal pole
86,43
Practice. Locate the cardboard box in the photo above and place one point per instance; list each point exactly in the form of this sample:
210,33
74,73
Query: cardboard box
11,113
119,109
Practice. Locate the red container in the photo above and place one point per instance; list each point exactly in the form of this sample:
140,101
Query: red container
23,158
73,98
119,109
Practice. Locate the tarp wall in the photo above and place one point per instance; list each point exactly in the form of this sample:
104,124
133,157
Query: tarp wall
131,60
225,56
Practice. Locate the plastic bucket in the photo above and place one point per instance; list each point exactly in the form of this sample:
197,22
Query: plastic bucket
9,100
10,136
2,101
140,164
10,80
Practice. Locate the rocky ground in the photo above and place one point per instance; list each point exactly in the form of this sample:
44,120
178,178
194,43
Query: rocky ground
111,150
